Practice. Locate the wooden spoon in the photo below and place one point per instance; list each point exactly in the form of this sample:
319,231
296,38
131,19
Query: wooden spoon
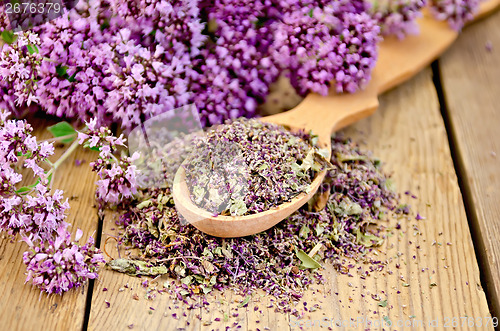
398,61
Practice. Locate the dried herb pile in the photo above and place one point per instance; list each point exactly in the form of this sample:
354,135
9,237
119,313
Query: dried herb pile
247,166
284,260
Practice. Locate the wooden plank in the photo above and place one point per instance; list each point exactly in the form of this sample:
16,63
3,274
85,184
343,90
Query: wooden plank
408,133
23,307
471,81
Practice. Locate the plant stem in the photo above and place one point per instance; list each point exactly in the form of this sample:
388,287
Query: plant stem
63,157
114,158
61,138
68,152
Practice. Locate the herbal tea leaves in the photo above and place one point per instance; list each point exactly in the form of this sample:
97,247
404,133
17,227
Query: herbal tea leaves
247,166
136,267
282,261
307,261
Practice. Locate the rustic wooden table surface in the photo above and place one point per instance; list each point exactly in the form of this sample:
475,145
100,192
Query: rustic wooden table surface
437,133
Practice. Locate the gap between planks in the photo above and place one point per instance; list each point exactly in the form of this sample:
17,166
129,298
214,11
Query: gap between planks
486,272
470,77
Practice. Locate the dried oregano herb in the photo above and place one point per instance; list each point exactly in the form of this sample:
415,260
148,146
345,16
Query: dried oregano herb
343,220
247,166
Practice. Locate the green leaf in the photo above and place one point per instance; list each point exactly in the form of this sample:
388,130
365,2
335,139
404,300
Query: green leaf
72,78
207,252
144,204
218,251
61,71
367,239
304,231
24,190
62,129
238,208
307,261
261,21
95,148
28,154
206,289
187,280
105,24
308,161
353,209
244,302
349,158
319,230
383,303
8,36
390,185
32,49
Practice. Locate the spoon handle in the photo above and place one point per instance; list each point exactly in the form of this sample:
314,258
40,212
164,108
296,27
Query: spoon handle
398,61
324,114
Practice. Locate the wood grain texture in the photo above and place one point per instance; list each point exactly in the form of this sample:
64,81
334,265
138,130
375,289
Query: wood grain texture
128,305
408,134
23,307
471,82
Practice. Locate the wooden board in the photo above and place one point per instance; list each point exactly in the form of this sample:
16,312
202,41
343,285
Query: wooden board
471,83
408,134
23,308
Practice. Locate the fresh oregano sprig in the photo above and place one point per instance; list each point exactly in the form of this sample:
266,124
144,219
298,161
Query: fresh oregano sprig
54,262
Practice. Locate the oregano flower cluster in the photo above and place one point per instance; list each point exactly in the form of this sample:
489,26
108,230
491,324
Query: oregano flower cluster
37,213
19,69
117,175
397,17
59,264
455,12
126,61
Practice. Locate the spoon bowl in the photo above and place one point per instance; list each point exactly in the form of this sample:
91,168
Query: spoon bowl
398,61
308,115
235,226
